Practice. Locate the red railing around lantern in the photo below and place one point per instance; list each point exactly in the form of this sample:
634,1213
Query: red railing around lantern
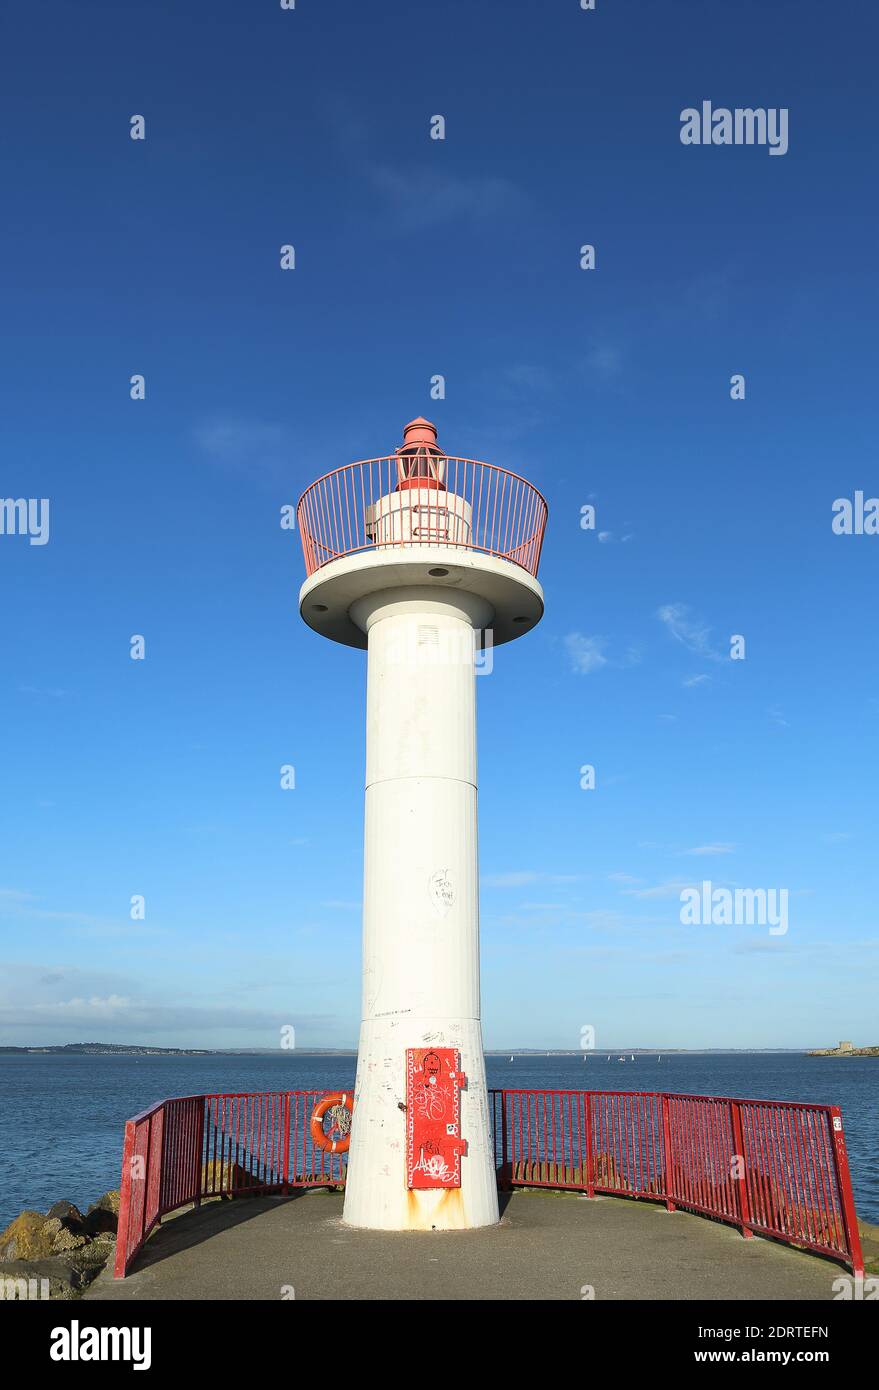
468,505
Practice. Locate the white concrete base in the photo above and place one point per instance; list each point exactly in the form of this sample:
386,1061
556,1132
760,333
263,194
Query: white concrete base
376,1196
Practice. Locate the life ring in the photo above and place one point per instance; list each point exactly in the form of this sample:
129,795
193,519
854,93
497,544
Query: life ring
322,1140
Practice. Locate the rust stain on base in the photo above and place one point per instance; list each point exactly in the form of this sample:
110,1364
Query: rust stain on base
439,1211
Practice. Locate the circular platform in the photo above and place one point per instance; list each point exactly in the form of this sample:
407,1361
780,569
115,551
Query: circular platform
547,1246
325,599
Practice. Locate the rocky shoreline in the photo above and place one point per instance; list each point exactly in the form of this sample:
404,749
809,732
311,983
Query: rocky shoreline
844,1052
56,1254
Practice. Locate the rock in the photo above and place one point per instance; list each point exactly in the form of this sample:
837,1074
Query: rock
102,1215
68,1240
52,1227
98,1223
65,1211
26,1239
90,1260
109,1202
58,1277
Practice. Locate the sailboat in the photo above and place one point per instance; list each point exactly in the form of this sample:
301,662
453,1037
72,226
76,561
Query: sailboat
633,1056
511,1058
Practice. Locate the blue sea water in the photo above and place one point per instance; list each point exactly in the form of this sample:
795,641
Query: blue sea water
61,1118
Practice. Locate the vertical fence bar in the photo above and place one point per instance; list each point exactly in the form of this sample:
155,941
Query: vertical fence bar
285,1161
588,1156
668,1161
122,1236
844,1187
741,1184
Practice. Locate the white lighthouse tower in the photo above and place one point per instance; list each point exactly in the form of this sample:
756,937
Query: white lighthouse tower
421,558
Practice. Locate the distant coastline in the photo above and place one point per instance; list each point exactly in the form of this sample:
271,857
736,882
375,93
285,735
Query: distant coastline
93,1049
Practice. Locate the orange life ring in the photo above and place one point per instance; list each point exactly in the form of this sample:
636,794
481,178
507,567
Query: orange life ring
322,1141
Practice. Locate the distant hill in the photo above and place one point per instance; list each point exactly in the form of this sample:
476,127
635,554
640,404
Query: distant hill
141,1050
122,1049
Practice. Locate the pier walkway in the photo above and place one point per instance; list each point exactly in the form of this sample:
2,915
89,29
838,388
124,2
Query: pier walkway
548,1245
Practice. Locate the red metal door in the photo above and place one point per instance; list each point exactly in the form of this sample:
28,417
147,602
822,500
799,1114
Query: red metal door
433,1117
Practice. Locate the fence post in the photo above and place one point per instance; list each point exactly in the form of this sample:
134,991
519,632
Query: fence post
846,1197
739,1158
285,1172
590,1157
146,1176
505,1152
199,1146
122,1225
666,1153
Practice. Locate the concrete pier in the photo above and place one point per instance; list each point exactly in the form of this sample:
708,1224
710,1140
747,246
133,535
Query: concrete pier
547,1246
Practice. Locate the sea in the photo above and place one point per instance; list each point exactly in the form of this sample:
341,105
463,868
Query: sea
62,1117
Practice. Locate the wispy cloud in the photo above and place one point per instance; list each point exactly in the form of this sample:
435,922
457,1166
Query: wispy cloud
717,848
422,198
518,878
586,654
250,447
611,538
658,890
69,1002
690,631
604,360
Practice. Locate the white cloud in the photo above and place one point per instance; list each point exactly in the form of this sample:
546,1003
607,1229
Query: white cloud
719,848
689,631
659,890
245,446
585,653
420,198
517,878
604,360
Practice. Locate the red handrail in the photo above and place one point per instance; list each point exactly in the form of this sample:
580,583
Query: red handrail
478,506
773,1168
770,1167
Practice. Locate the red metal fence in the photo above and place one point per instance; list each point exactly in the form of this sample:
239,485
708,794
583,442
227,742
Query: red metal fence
470,506
196,1147
773,1168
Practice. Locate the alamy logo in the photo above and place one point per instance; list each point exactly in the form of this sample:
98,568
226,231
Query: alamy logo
25,516
430,645
745,125
856,518
23,1289
75,1343
740,907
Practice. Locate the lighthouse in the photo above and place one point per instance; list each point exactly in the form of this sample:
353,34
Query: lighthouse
422,559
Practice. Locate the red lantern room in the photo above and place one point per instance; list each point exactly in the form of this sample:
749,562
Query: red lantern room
420,461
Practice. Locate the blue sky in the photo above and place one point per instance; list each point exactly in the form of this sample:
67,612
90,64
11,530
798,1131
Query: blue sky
610,387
